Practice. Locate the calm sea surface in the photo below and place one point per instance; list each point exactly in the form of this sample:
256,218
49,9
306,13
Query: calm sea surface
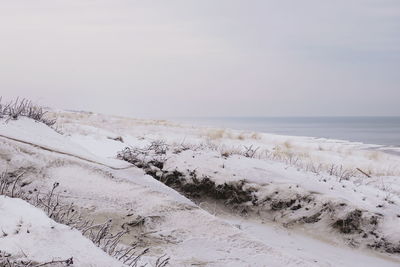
369,130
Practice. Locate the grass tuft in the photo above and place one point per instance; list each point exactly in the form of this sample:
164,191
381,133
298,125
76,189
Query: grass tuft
24,108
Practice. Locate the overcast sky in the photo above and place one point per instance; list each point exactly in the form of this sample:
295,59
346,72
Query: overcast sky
205,57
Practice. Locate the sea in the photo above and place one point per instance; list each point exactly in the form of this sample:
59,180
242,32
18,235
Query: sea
383,131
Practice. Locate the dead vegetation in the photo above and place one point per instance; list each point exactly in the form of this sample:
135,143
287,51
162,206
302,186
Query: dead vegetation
24,108
215,134
152,160
279,154
350,224
299,208
194,187
7,260
152,155
12,185
358,223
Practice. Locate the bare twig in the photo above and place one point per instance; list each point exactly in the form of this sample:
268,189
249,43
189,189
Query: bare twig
366,174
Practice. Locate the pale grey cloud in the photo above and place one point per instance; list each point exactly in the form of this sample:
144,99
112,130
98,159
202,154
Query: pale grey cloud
204,58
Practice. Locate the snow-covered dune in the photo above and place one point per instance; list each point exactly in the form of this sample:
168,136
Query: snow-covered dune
216,178
27,233
312,154
156,216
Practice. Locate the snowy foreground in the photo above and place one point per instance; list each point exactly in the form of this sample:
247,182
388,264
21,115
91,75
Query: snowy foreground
200,196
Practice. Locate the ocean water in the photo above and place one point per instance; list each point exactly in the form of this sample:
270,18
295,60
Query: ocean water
369,130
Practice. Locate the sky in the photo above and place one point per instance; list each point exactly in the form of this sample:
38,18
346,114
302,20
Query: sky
204,58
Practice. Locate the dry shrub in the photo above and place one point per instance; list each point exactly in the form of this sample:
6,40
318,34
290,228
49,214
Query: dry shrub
11,185
214,134
24,108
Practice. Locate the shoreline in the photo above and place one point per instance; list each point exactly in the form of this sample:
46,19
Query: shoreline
293,129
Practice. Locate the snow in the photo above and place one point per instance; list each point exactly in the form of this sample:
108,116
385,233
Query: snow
306,247
29,233
83,160
32,132
306,150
